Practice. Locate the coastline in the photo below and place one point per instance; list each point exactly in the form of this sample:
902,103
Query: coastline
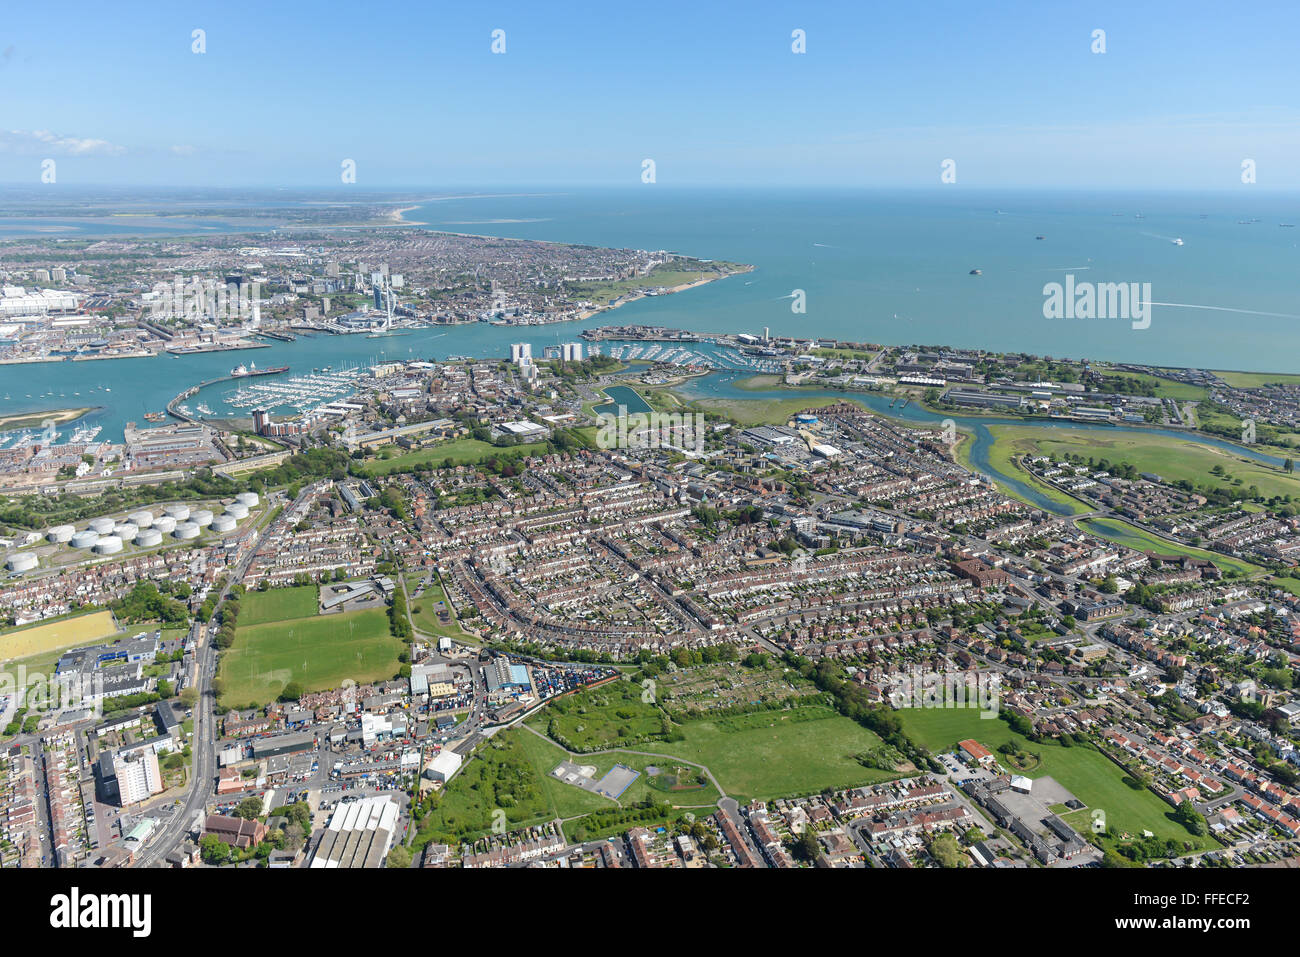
37,419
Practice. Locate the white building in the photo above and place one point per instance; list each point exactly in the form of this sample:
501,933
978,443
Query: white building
444,766
571,352
521,352
138,776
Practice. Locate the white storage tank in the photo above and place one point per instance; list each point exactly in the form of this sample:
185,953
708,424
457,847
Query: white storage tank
248,498
141,519
178,512
108,545
186,530
148,538
102,525
125,530
21,562
201,517
223,523
85,539
237,509
165,524
61,534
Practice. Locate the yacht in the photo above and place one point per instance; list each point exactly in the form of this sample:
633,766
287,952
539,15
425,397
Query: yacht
1178,242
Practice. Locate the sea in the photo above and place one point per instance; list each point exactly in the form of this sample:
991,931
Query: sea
946,266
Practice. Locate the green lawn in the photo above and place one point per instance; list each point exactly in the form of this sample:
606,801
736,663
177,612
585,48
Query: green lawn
509,772
1289,584
604,717
1253,380
1171,458
460,451
1092,777
318,653
656,786
424,611
278,604
1005,450
779,753
1164,388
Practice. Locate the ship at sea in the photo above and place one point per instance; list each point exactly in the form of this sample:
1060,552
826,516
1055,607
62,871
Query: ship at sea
155,416
241,371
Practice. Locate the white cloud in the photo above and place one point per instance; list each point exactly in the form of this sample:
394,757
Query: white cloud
183,150
44,142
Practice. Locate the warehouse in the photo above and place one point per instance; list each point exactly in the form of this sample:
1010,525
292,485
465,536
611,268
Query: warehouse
359,834
283,744
444,767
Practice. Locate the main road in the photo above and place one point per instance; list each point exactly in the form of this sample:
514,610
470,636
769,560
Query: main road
203,776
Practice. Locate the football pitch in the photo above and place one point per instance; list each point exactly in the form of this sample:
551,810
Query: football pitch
316,652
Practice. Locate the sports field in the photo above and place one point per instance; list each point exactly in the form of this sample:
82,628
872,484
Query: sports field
38,639
318,653
278,604
1092,777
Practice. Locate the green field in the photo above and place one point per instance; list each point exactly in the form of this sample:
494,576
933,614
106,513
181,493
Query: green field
462,451
1171,458
1253,380
765,411
1164,388
1092,777
510,772
318,653
1133,537
604,717
1288,584
771,754
278,604
1002,456
424,611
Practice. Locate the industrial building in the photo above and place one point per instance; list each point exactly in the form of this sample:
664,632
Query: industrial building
359,834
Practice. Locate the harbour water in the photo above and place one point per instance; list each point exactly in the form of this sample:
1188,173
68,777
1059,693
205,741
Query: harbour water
881,267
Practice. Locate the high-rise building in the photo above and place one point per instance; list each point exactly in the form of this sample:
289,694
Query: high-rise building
138,777
521,352
572,352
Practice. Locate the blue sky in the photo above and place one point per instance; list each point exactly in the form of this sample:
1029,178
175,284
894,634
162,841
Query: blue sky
710,91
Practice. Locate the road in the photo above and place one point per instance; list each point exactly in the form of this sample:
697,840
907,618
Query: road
203,776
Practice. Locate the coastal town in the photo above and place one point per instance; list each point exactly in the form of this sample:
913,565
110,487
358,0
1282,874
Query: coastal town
560,609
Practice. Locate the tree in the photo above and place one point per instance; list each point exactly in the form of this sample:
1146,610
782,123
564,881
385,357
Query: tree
1187,815
806,847
214,850
249,808
399,857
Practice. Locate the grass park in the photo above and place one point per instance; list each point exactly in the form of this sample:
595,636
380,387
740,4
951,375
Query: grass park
760,754
1092,777
463,451
1173,459
425,611
317,652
